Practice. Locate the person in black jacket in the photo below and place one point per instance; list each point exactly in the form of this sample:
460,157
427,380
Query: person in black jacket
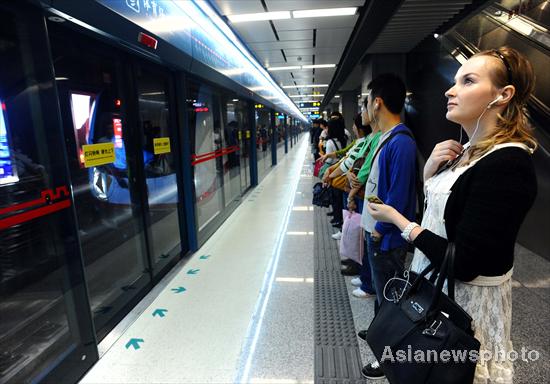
478,196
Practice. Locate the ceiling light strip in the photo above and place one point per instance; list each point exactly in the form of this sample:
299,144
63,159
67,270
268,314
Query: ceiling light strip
309,66
280,15
327,12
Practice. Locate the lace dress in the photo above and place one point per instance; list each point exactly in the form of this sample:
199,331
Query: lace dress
487,299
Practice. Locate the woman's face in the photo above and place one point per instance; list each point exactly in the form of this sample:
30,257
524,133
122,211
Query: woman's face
472,92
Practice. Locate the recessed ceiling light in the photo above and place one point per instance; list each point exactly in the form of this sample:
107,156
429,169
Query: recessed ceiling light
328,12
319,66
284,68
259,16
306,86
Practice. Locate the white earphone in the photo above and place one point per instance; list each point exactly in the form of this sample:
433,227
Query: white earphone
500,97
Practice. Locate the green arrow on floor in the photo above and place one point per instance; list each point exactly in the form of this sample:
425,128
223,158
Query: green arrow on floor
134,343
179,290
193,271
204,257
159,312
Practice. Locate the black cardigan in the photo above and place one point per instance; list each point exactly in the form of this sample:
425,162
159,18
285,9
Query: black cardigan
484,213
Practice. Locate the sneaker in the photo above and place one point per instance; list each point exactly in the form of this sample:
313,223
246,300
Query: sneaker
356,282
350,270
358,292
337,235
373,371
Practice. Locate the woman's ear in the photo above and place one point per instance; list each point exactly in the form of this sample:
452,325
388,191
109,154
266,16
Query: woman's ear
507,93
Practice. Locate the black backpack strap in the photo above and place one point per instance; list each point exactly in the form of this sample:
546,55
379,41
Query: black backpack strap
391,136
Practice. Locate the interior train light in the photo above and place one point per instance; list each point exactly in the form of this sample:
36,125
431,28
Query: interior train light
148,41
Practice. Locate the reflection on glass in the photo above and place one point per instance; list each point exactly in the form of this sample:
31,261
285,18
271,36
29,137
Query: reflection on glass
110,232
234,120
158,159
38,321
8,172
204,122
263,141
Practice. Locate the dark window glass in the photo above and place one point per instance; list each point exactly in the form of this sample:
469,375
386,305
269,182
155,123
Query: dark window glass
94,104
43,306
158,160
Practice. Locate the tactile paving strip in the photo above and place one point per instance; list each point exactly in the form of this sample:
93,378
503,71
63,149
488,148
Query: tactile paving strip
337,356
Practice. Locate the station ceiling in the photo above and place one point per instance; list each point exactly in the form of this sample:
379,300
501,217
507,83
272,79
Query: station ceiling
389,26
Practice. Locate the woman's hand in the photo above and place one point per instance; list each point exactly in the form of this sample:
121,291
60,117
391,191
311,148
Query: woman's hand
352,207
442,152
353,181
382,212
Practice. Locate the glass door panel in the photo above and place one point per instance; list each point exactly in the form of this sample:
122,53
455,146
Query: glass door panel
204,123
159,145
232,135
263,133
101,159
45,321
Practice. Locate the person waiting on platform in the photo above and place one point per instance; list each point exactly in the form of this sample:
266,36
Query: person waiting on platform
336,140
478,195
392,179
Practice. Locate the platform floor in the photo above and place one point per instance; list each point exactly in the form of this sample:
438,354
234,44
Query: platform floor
241,309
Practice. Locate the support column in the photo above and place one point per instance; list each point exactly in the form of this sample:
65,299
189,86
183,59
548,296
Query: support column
348,107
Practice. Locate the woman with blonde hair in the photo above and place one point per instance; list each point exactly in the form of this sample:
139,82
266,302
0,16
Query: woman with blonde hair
477,197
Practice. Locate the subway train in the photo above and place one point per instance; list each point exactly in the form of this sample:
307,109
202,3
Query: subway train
118,157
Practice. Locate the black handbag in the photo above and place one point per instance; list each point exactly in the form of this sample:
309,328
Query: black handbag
322,197
424,336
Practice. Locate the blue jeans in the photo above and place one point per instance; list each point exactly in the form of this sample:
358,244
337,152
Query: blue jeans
367,284
384,265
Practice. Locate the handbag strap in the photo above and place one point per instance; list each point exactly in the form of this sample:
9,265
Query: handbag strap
446,272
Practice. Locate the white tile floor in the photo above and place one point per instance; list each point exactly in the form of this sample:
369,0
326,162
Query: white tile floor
246,314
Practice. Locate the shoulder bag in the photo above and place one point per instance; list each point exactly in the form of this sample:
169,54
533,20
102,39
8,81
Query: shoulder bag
424,336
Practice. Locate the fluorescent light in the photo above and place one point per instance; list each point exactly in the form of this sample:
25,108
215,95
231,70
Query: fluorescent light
307,95
328,12
259,16
284,68
319,66
337,96
235,99
305,86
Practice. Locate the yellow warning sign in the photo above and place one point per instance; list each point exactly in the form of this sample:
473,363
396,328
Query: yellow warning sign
161,145
248,134
98,154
